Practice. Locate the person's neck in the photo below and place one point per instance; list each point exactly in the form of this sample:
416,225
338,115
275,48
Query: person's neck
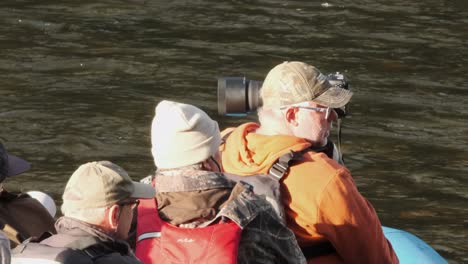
271,131
319,144
99,228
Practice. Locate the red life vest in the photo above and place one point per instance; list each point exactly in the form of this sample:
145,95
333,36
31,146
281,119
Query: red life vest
160,242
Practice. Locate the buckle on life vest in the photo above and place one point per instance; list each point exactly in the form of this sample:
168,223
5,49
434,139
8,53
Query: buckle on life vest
278,170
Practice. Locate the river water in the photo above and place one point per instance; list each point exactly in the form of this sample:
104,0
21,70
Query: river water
80,79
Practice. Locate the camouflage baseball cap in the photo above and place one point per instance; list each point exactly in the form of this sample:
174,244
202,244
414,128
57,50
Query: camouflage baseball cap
102,184
295,82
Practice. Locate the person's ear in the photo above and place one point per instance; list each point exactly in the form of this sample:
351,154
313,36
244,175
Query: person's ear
216,162
291,116
113,216
206,165
211,164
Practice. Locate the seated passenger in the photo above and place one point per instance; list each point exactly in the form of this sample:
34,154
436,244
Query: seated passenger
332,221
199,216
21,216
98,204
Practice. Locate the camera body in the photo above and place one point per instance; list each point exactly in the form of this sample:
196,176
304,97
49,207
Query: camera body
239,96
338,79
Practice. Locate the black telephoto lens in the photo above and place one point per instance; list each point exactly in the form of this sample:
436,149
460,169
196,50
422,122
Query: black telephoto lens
238,96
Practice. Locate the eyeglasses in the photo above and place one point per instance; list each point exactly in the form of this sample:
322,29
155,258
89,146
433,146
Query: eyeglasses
133,203
326,110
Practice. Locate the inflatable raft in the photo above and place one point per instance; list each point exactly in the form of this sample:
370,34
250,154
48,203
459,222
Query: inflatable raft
410,249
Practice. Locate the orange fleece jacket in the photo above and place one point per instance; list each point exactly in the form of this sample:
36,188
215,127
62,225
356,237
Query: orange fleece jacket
321,200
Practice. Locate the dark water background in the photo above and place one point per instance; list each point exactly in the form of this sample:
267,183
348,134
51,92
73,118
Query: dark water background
79,81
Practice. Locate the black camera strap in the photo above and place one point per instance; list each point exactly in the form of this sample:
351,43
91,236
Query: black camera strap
281,167
338,128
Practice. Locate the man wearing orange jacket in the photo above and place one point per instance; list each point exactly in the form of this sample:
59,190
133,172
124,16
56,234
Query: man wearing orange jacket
332,221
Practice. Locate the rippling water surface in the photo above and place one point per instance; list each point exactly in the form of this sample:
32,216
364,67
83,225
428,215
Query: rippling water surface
80,80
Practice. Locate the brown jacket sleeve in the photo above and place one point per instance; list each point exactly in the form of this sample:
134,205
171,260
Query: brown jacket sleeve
26,216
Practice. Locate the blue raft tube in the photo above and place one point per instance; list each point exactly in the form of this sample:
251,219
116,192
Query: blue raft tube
410,249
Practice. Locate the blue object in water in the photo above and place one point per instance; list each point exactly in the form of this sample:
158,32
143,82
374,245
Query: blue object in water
410,249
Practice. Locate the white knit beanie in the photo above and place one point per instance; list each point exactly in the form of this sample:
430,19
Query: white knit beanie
182,135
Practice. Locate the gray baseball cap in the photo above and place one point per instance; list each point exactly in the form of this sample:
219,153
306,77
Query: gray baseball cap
101,184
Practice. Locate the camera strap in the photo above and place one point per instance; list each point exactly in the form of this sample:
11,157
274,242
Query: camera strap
338,128
281,166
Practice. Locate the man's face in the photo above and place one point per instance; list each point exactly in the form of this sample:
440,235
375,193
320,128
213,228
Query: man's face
314,125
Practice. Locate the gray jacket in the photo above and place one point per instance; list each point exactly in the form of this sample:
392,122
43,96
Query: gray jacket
194,198
76,243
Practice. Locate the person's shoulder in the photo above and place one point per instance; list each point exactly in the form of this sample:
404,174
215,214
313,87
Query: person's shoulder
322,160
319,165
315,174
35,252
268,224
23,203
26,203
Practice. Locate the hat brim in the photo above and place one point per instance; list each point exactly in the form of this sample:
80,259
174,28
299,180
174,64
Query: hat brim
16,165
142,191
334,97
